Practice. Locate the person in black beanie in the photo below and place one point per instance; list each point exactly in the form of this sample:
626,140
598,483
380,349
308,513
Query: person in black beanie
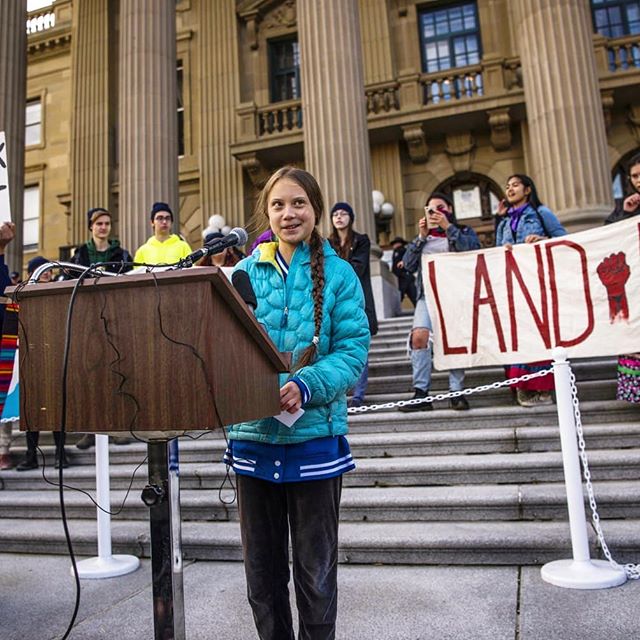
355,248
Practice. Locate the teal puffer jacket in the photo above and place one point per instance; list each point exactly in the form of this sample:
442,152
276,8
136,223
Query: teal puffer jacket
285,309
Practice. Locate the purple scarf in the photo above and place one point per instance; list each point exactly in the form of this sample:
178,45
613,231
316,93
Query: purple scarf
514,216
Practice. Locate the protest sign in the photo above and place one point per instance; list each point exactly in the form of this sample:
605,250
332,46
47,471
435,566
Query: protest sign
5,204
500,306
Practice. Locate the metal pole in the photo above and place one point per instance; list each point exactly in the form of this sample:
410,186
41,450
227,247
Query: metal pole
105,565
581,572
168,601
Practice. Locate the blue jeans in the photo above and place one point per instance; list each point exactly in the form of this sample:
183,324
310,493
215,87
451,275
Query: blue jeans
422,359
361,386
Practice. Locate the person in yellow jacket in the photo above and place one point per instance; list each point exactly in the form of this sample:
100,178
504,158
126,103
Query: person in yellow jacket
163,247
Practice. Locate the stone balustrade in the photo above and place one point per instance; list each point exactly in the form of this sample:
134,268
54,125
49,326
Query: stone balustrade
382,98
40,20
623,53
452,84
280,117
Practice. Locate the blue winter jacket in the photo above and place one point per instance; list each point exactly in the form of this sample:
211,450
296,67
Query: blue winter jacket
285,309
542,223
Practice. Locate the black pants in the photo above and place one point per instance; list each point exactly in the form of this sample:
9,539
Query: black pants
311,511
33,437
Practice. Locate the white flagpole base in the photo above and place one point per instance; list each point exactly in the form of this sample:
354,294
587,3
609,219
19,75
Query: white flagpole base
108,567
583,574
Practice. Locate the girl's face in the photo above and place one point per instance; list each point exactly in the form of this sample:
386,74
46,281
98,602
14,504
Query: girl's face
291,215
517,193
634,176
340,219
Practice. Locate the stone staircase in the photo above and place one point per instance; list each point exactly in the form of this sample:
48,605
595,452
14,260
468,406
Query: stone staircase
478,487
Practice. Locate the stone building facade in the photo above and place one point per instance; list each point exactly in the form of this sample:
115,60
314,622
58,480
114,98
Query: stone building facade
401,96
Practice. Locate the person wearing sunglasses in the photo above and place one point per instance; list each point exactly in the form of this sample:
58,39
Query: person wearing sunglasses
438,232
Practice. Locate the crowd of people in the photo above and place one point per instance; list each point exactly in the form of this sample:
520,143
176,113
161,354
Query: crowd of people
314,299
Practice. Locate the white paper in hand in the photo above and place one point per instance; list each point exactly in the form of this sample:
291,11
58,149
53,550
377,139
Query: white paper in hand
289,419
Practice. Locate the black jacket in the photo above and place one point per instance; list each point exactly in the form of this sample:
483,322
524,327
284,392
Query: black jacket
359,255
118,254
620,214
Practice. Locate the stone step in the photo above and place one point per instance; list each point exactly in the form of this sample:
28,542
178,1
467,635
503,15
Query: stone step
547,501
488,468
392,444
480,543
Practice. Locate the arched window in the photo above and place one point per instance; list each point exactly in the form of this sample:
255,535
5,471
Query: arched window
475,198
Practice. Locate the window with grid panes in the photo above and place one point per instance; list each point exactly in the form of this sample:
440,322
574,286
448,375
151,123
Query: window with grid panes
615,19
180,70
31,218
449,37
284,69
33,123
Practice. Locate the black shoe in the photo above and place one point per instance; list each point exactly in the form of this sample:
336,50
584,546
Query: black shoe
30,462
459,403
87,440
61,461
424,406
121,440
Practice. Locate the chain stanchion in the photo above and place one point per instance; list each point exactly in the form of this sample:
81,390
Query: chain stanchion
632,571
580,572
449,394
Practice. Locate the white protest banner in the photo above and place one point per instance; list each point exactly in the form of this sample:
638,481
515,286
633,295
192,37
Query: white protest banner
499,306
5,204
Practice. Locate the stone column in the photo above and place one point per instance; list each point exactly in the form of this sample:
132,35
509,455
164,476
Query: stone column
336,137
378,56
90,148
148,123
13,81
568,144
336,140
221,185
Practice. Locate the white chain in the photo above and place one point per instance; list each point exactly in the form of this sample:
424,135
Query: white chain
450,394
632,570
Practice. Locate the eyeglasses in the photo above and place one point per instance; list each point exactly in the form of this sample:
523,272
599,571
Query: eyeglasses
162,218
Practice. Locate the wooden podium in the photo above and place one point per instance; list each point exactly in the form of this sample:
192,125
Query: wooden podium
155,354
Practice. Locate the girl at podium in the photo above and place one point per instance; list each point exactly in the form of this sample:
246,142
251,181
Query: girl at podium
289,478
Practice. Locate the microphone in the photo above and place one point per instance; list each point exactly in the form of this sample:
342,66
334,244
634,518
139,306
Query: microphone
242,284
235,237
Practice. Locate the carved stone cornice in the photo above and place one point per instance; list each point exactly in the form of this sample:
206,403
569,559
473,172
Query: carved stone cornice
633,117
459,148
268,16
500,123
416,141
607,107
257,172
48,42
285,16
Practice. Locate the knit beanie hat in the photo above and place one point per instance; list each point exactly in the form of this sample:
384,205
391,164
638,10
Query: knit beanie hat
95,213
344,206
160,206
34,263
